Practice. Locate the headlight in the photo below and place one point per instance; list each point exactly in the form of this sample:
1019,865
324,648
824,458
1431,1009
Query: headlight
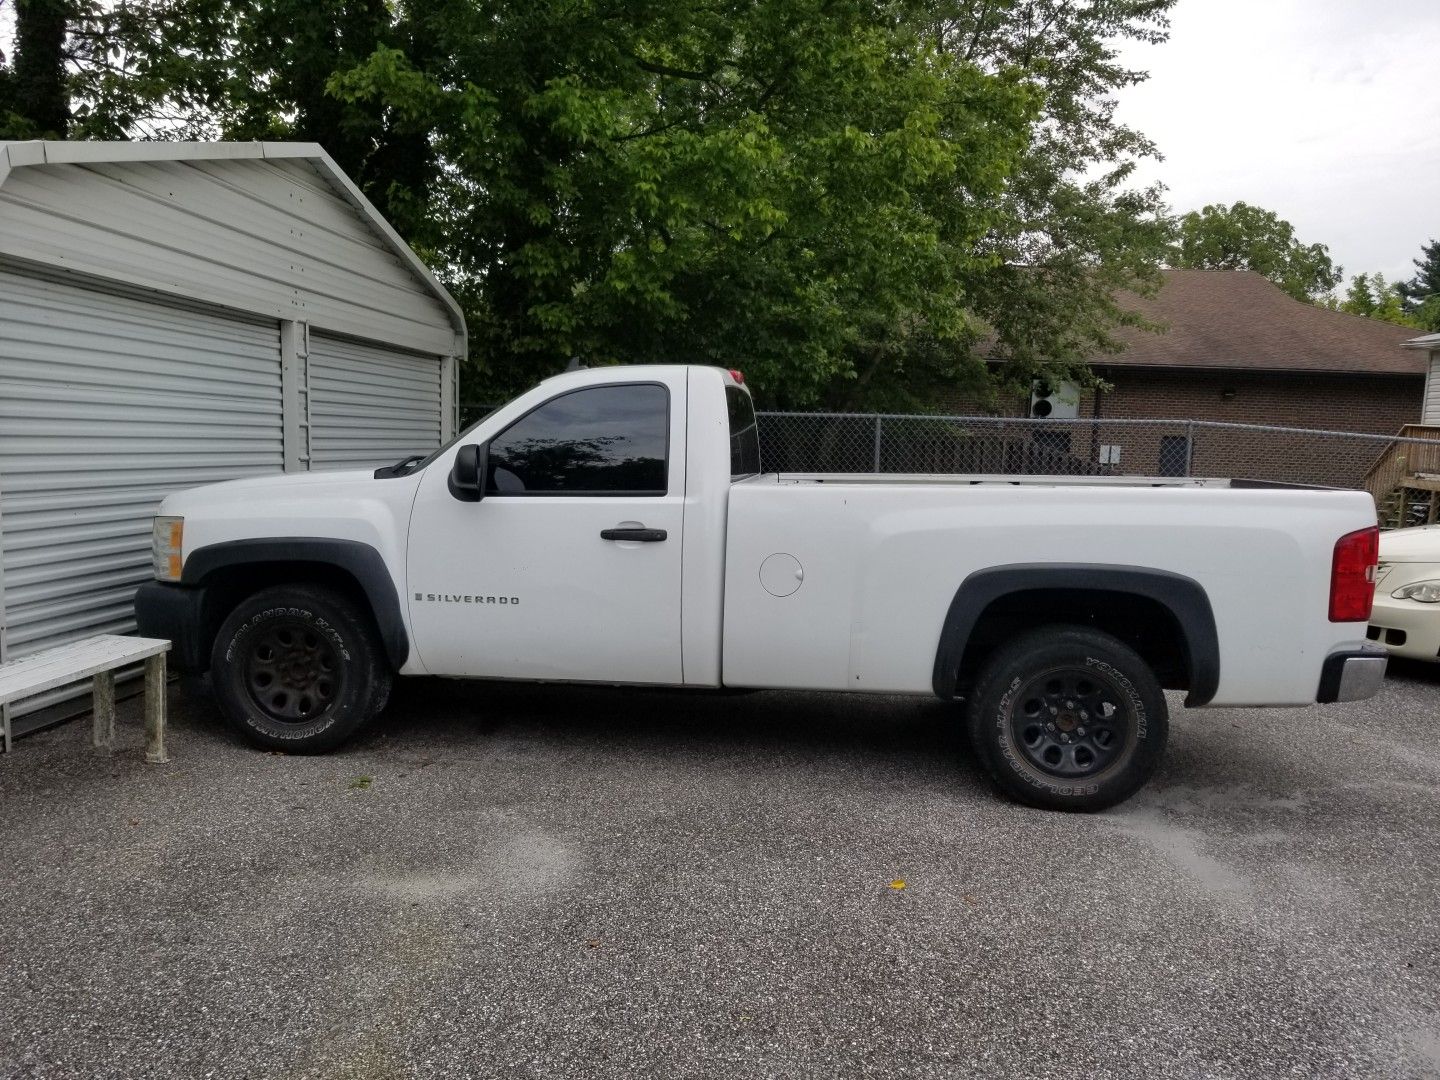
1427,592
168,539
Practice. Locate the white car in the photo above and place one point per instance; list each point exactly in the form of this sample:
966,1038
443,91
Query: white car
1406,615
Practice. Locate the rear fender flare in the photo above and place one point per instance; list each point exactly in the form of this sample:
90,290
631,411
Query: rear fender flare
1183,597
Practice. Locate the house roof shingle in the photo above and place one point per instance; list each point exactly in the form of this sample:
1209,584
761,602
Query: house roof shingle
1236,320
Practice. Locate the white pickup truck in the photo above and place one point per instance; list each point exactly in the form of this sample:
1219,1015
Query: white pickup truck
614,526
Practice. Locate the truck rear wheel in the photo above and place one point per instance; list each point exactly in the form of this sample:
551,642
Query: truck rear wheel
299,668
1067,718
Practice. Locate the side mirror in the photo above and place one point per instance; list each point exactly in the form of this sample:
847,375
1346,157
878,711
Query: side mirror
467,475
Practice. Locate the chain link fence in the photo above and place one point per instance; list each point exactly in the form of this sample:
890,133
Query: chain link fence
854,442
1398,471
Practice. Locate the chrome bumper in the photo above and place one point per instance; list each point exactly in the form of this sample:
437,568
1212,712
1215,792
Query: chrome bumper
1352,676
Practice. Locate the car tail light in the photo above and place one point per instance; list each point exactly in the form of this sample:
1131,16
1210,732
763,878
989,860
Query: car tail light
738,376
1352,575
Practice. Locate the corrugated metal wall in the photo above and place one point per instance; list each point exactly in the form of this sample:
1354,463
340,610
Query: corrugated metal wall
108,403
370,406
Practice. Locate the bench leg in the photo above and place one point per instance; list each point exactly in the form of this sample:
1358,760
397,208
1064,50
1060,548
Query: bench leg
104,705
5,722
155,709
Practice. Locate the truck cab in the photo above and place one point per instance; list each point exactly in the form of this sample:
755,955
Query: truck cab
589,544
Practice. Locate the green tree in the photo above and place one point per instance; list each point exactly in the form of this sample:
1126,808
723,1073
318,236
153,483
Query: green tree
846,197
1422,292
34,95
784,186
1427,314
1244,237
1359,297
1073,230
1374,297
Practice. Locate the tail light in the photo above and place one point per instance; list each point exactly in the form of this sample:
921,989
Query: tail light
738,376
1352,575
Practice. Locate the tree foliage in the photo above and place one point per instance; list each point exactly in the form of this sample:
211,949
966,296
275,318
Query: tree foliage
848,198
1073,229
1244,237
1421,294
775,185
1375,298
34,90
1427,314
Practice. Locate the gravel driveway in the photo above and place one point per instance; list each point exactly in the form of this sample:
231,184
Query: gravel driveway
522,881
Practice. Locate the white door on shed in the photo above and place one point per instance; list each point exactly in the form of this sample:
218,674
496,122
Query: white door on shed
108,403
370,406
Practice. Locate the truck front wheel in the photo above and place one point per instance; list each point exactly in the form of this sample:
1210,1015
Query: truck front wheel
299,668
1067,718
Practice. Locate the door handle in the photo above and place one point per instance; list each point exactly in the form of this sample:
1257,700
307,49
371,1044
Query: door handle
645,536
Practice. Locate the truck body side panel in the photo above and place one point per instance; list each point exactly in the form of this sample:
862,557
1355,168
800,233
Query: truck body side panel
881,564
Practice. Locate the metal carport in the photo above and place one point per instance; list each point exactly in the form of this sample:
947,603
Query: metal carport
174,314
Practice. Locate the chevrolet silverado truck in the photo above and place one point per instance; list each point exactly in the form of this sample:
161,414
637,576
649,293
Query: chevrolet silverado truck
614,526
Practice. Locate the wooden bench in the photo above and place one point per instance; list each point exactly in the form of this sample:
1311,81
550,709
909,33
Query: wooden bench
95,658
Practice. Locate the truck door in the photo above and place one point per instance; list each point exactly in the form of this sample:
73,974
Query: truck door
569,566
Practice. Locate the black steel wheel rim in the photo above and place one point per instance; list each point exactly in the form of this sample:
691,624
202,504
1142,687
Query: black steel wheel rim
292,672
1071,722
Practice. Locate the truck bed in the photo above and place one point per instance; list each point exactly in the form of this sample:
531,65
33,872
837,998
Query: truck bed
878,559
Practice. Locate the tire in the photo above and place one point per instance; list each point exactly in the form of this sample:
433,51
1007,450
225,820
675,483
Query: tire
299,668
1067,718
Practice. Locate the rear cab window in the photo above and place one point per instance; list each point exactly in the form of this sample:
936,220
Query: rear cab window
744,434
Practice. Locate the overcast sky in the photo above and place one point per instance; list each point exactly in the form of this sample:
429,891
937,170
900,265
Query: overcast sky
1324,111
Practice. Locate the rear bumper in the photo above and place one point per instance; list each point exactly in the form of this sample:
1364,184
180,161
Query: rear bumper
1353,675
177,613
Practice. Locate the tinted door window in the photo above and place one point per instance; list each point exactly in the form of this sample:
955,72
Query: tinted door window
606,440
744,435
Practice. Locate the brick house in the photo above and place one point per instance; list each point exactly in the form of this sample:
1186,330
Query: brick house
1238,349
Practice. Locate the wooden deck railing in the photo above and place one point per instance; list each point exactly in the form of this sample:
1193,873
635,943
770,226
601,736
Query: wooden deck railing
1402,459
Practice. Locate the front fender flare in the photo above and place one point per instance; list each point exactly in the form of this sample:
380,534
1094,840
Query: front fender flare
360,561
1183,597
